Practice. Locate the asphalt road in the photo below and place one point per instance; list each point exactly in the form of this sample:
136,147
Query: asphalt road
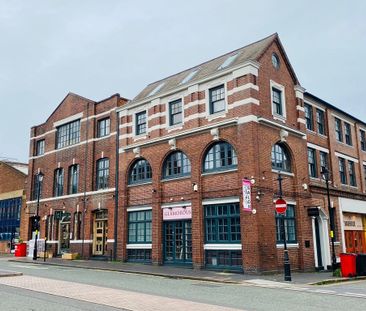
260,296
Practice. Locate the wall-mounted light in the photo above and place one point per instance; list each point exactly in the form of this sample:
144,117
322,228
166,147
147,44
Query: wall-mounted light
195,187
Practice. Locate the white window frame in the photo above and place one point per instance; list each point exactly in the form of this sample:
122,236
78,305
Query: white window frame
281,88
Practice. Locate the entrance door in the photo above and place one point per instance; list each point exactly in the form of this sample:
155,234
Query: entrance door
100,233
318,245
64,233
178,242
355,241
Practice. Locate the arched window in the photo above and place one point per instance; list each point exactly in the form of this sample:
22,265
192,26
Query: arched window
280,158
140,172
176,164
221,156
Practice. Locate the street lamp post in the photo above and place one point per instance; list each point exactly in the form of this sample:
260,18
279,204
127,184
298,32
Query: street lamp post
37,219
286,258
325,174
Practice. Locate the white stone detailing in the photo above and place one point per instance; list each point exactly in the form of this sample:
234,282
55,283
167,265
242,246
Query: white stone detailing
347,157
298,107
172,143
195,116
299,91
243,87
249,100
215,133
275,124
310,145
43,135
246,119
222,246
301,120
139,246
194,103
176,204
221,200
138,208
68,119
79,241
249,67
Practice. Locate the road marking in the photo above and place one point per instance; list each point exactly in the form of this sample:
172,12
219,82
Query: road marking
107,296
355,294
30,267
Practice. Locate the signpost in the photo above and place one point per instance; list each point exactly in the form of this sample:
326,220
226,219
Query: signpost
281,206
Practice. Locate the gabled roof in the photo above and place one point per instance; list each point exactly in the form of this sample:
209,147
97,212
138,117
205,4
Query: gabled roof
249,52
19,167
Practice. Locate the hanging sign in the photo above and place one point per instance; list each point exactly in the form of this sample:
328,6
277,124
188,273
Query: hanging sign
247,197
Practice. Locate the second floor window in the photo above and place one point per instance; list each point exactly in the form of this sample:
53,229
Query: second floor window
176,165
40,147
58,182
141,123
363,140
140,172
102,174
104,127
68,134
323,161
36,184
309,117
217,99
320,121
352,174
348,133
312,162
73,179
290,226
175,112
342,170
277,101
338,129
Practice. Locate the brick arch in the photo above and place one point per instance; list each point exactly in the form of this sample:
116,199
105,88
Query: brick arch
132,163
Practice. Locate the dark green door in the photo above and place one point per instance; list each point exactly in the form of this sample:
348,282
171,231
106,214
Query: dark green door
178,242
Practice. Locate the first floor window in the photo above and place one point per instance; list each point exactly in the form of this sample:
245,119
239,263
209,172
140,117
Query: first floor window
312,162
176,165
139,227
352,174
73,179
104,127
140,172
290,226
40,147
102,173
277,101
221,156
342,170
280,158
222,223
77,226
323,161
58,184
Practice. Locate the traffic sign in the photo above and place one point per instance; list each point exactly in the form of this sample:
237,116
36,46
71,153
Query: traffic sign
281,206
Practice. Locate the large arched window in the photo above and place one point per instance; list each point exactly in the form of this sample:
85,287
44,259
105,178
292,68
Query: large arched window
176,164
221,156
280,158
140,172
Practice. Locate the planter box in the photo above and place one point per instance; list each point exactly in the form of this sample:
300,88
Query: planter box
70,256
48,255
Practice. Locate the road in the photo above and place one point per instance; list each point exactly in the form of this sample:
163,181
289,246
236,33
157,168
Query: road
60,288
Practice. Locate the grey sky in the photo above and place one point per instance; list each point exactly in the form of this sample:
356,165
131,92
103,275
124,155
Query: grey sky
98,48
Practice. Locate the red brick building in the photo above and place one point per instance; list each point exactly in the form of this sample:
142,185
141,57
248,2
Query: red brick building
189,146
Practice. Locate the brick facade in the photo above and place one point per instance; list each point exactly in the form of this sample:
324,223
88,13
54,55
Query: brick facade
247,122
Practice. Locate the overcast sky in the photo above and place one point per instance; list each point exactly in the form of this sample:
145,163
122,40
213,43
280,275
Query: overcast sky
98,48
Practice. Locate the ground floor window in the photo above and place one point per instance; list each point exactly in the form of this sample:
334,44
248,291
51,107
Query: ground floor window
142,255
139,226
224,259
290,226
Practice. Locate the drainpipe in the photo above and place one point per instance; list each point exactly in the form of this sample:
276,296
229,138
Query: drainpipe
116,185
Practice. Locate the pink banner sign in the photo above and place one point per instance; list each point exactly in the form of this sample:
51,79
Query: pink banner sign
176,213
247,197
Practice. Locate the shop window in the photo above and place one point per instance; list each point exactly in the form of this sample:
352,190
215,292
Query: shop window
222,223
290,226
139,227
140,172
280,158
221,156
177,164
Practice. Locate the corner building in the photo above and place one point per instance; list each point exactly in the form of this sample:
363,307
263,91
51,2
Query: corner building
186,144
75,152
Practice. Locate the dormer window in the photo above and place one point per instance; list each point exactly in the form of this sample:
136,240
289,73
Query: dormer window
156,89
228,61
189,76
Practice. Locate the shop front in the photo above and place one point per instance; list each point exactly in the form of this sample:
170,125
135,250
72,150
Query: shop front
177,234
353,223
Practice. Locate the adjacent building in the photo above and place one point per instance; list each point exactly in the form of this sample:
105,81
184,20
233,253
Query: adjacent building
197,157
12,198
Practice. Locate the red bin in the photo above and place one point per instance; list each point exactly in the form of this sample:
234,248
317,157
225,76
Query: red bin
21,250
348,265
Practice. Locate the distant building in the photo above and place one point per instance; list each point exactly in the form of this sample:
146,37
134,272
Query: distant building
12,197
200,153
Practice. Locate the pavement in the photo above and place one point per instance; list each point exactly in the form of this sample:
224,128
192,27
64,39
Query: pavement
5,273
298,278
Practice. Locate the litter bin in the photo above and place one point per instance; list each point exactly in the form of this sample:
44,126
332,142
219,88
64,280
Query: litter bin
21,250
348,265
361,264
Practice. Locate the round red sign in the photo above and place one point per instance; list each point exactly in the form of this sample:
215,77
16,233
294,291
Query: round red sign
281,206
